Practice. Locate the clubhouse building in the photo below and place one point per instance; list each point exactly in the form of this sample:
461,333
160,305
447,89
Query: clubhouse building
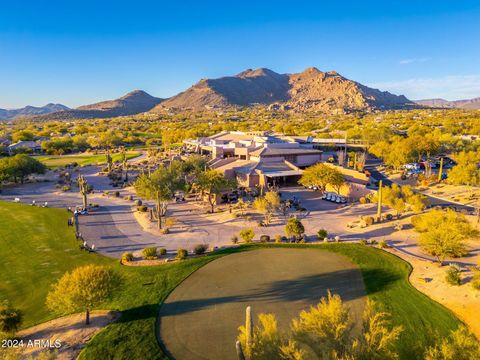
257,159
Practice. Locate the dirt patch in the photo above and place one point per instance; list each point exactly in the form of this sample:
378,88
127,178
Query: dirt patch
70,331
463,300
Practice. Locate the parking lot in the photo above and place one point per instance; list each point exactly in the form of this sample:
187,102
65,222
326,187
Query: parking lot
309,199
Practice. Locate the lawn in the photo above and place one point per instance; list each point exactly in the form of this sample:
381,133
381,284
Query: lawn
53,161
386,282
38,247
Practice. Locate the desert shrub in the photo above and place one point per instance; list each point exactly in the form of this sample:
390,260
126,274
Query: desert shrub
260,223
362,200
476,279
126,257
138,202
181,254
363,242
247,235
389,217
66,188
142,208
171,221
294,228
150,253
234,239
373,242
117,193
383,244
322,234
453,275
10,320
279,238
200,249
162,251
264,238
165,231
368,220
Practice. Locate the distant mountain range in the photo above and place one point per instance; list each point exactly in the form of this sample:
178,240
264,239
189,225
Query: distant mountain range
30,111
133,103
442,103
310,90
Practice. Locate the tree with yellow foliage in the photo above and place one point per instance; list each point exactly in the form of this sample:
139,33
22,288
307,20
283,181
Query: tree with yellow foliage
325,331
82,289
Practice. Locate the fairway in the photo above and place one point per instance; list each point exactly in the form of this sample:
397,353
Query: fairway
53,161
276,280
38,248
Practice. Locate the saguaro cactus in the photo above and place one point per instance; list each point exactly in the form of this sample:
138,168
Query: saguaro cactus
379,195
440,171
109,161
240,354
249,332
124,163
83,187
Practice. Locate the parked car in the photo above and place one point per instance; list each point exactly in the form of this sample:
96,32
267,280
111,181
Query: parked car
412,166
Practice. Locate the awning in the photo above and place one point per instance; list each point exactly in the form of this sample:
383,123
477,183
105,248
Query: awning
274,174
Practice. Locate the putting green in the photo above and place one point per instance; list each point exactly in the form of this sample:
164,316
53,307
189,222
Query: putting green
200,318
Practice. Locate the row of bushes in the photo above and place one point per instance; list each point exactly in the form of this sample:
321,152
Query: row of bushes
247,236
151,253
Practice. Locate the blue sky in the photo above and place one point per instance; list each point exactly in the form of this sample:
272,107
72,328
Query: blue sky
79,52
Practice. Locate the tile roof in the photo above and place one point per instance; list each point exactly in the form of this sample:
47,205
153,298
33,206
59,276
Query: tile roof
267,151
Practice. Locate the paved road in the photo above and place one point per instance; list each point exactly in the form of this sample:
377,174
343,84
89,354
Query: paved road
433,200
114,230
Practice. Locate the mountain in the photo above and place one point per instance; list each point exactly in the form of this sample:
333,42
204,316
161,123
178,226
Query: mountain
30,111
311,89
442,103
134,102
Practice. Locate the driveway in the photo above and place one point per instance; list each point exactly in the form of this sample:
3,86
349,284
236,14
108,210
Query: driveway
113,229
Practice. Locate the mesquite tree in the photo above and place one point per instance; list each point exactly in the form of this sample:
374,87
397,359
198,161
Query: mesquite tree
160,186
212,183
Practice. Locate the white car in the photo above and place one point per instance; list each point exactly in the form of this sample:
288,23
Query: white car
411,166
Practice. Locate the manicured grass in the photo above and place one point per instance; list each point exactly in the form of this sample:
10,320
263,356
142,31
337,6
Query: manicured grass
53,161
38,248
134,335
386,282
